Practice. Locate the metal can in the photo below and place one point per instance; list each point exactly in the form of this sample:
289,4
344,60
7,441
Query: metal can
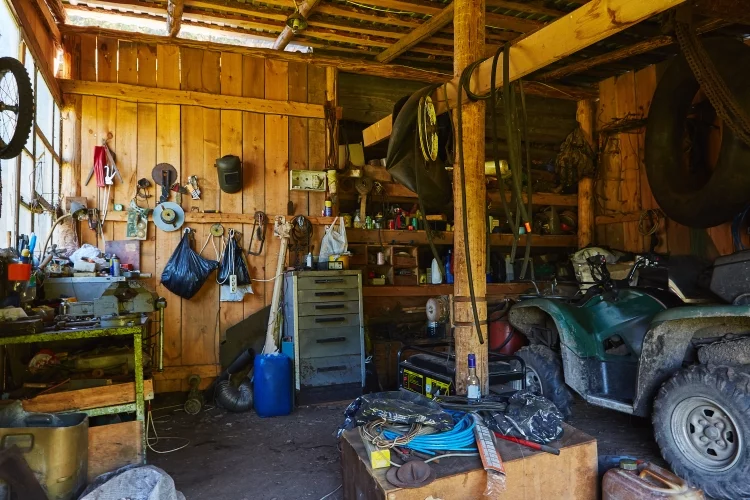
114,269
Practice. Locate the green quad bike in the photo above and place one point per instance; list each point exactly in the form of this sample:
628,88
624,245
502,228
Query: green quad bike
644,351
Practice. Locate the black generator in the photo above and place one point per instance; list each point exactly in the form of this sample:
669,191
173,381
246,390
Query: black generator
430,372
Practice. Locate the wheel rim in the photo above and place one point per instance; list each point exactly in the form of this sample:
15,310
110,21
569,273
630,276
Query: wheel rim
533,382
9,107
706,434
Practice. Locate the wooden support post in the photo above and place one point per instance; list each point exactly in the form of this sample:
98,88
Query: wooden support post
332,100
585,117
468,29
174,16
305,9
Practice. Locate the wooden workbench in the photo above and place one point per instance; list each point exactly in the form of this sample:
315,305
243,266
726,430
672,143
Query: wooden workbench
530,474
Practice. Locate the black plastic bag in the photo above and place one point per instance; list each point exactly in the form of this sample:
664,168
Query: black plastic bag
528,416
397,407
186,271
233,262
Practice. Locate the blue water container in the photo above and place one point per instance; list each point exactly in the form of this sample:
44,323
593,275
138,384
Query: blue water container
273,392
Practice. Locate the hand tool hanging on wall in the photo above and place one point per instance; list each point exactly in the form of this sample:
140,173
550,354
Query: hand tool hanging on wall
282,229
111,160
164,175
100,159
258,232
363,185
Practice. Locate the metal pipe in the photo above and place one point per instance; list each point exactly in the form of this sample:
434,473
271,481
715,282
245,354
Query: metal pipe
161,304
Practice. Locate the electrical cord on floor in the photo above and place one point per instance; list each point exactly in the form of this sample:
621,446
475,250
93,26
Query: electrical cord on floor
331,493
153,441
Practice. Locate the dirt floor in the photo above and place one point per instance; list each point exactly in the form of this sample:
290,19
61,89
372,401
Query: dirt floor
243,457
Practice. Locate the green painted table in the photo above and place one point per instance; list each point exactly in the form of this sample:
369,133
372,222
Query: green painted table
139,407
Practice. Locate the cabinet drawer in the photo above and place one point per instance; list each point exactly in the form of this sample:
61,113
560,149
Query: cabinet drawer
330,370
329,308
328,295
328,321
323,342
326,282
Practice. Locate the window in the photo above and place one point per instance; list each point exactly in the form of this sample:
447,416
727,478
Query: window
30,182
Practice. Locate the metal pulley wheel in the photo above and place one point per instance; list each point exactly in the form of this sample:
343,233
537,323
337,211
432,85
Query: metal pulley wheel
427,129
437,309
217,230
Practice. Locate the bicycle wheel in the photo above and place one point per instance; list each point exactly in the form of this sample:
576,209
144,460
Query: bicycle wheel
16,107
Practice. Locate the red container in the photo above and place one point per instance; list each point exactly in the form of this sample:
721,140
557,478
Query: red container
19,272
500,330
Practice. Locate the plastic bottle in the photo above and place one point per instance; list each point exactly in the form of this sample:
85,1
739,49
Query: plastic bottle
437,277
509,272
272,385
449,267
473,390
646,481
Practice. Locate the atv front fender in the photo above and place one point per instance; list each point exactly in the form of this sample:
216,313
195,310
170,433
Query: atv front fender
530,316
667,341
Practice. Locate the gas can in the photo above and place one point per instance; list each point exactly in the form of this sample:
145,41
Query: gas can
645,481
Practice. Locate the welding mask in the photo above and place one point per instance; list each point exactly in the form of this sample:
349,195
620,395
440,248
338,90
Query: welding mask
229,169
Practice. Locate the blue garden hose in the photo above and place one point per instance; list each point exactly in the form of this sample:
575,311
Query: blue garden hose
458,439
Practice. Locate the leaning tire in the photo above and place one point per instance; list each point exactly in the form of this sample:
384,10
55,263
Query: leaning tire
544,376
702,425
692,198
10,147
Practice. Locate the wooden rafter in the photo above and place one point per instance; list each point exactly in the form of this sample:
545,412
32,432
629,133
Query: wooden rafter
305,9
581,28
174,16
534,7
57,9
344,64
425,30
624,53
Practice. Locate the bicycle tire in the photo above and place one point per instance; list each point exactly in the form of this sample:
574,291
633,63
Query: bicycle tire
25,113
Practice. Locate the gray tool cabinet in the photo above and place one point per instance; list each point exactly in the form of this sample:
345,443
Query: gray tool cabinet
323,322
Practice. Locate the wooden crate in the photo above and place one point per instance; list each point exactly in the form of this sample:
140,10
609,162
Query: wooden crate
529,474
114,446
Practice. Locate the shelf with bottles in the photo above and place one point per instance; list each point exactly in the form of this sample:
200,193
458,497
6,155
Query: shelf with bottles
398,264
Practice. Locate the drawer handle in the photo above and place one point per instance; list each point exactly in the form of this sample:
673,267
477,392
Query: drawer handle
339,368
330,280
337,319
329,306
329,294
330,340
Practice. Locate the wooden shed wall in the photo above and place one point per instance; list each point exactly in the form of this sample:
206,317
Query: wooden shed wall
191,138
622,188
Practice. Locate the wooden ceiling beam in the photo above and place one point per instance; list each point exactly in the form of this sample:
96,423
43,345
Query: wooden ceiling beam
534,7
624,53
581,28
58,10
174,16
305,9
425,30
343,64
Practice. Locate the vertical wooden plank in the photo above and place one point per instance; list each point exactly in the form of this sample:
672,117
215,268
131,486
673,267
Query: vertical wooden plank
211,83
645,84
127,131
106,57
87,64
146,65
198,138
71,148
168,151
106,126
254,160
298,134
609,171
629,162
88,142
72,57
585,113
277,159
316,94
146,158
231,144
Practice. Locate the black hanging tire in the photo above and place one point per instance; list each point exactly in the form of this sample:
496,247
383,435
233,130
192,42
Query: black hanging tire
702,425
16,107
544,376
694,197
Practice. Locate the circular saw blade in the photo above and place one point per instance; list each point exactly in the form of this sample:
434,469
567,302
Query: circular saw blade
172,220
158,176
